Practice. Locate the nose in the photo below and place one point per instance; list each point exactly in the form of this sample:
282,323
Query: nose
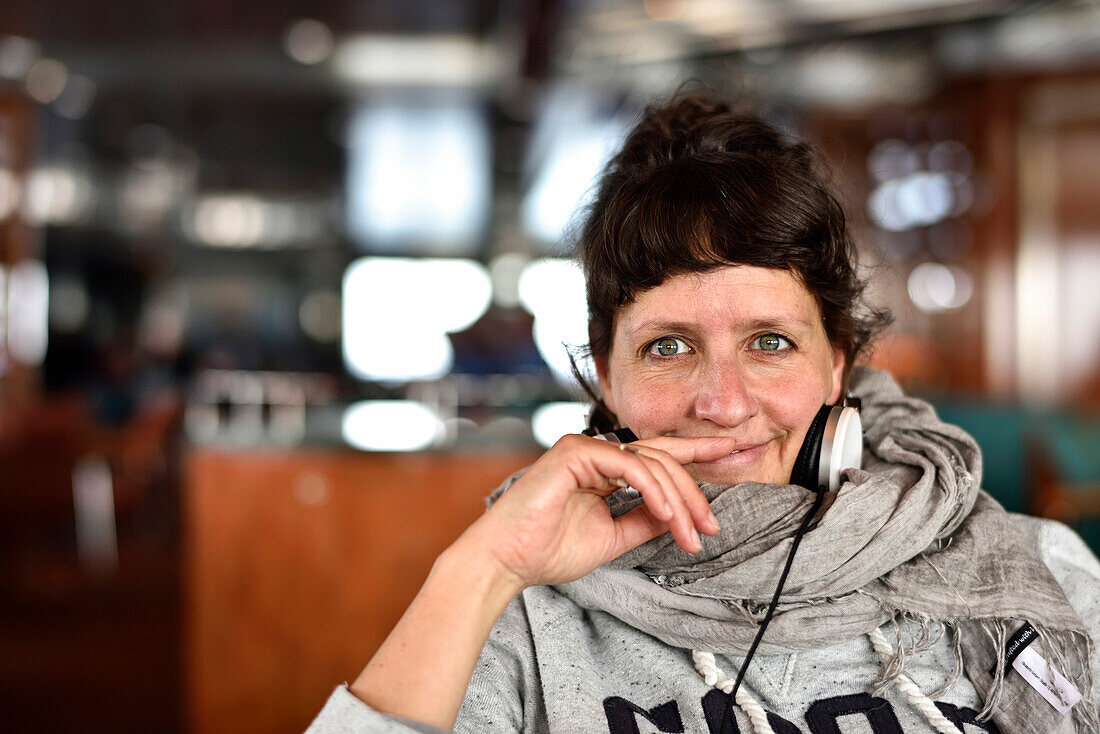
724,397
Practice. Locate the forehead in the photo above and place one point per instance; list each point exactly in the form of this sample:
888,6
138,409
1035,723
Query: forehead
730,295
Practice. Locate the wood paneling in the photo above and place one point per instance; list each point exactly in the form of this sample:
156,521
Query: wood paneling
298,565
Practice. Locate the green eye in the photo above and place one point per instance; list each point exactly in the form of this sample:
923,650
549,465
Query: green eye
771,343
668,346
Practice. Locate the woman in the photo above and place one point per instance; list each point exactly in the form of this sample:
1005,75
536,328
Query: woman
725,311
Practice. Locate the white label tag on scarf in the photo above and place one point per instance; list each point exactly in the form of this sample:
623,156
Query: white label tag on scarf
1051,685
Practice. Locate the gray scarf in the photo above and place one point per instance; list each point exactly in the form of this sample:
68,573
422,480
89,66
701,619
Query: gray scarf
910,538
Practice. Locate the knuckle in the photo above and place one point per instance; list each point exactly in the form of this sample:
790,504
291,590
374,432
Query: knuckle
570,442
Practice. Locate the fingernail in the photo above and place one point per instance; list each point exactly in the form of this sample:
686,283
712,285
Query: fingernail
713,521
668,510
698,541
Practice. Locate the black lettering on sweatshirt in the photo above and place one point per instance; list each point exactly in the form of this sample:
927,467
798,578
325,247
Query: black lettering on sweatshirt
822,715
621,716
963,715
715,704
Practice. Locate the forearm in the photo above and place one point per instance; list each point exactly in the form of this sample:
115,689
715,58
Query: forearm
424,666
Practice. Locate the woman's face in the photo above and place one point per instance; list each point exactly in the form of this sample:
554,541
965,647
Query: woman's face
737,351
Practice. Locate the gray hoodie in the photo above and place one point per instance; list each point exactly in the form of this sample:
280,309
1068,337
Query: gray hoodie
552,666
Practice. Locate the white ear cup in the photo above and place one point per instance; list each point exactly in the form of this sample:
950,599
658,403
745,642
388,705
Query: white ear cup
841,446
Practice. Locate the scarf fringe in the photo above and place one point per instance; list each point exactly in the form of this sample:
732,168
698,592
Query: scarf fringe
914,634
1068,653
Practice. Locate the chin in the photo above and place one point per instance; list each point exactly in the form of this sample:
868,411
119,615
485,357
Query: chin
732,475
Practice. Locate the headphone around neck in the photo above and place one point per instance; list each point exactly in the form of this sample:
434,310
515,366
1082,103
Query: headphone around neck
833,443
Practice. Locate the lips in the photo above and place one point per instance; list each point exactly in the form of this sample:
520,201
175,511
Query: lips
743,455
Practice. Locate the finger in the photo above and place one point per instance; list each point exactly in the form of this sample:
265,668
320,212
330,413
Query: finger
681,524
697,504
691,450
607,463
666,498
636,527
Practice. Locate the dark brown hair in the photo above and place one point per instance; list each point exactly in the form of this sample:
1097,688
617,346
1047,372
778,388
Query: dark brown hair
697,186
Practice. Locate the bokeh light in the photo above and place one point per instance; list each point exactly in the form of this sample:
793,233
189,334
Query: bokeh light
17,55
46,80
308,41
28,311
934,287
391,425
418,176
552,290
551,421
398,312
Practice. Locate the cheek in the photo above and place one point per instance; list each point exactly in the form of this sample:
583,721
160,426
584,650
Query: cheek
650,407
792,402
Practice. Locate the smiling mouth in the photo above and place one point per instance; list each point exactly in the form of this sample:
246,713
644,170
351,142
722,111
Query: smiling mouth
748,454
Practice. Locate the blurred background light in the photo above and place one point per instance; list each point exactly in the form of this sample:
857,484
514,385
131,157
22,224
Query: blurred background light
576,133
5,353
46,80
884,208
17,55
891,159
150,189
855,74
1049,38
58,194
551,421
319,315
428,294
950,155
69,304
552,290
397,313
76,97
391,425
418,176
505,271
451,61
392,354
240,220
918,186
934,287
924,198
163,325
308,41
28,311
228,220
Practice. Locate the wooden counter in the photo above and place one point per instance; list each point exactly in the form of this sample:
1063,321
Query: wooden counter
297,565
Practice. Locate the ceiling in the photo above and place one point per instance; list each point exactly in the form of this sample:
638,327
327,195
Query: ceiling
212,43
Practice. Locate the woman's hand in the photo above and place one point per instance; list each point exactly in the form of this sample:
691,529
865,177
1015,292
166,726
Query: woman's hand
553,524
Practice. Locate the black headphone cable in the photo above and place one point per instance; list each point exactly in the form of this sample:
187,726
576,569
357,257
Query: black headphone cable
771,607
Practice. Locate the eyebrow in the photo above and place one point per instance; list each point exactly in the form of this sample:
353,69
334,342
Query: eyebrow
791,323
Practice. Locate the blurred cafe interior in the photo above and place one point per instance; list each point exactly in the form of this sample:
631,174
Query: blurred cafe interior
286,290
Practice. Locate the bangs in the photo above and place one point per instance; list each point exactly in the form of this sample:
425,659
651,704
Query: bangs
692,215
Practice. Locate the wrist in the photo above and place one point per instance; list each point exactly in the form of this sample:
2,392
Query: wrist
471,560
